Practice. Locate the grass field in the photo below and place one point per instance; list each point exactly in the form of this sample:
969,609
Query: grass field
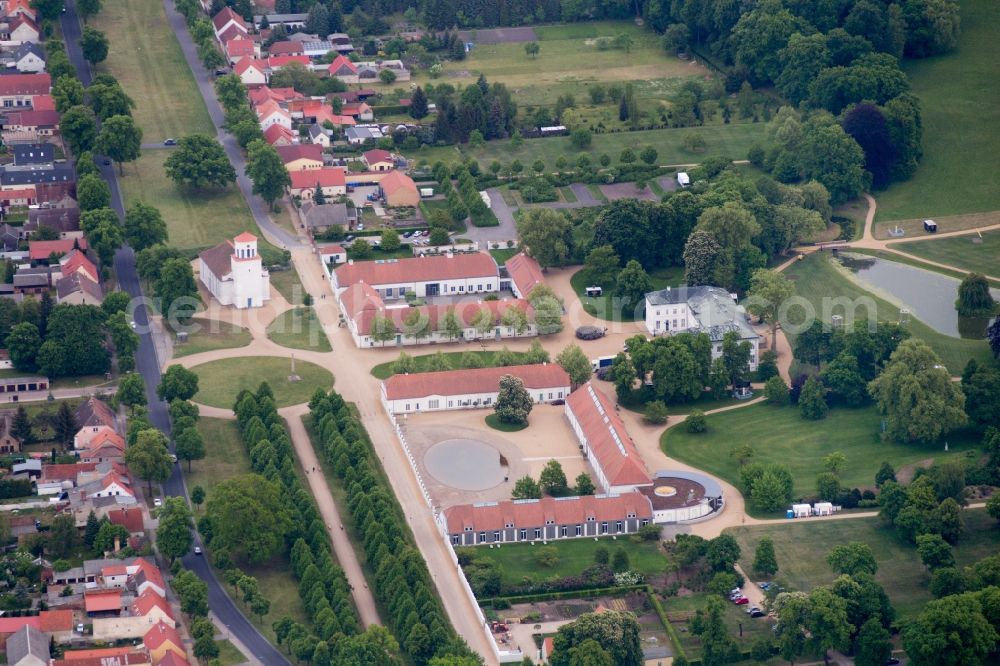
960,251
493,421
145,56
300,329
817,278
225,457
229,655
604,307
288,284
781,435
727,140
195,219
384,370
219,382
961,120
520,565
205,339
801,550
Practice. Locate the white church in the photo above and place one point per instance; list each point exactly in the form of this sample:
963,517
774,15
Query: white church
232,271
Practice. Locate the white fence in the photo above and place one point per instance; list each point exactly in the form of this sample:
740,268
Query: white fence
503,656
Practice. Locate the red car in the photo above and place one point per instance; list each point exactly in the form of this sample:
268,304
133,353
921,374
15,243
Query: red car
741,601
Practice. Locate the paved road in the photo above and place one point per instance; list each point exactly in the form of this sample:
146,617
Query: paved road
261,651
206,84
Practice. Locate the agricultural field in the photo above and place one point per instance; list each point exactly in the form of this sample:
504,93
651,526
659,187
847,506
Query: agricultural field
961,120
960,251
817,278
801,550
781,435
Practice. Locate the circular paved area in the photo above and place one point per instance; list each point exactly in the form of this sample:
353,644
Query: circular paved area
466,464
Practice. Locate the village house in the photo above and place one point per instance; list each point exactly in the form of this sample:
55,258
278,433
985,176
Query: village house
359,135
301,157
161,639
546,519
122,656
19,29
430,275
64,220
523,275
239,48
107,446
606,444
331,180
331,254
285,47
229,25
318,135
93,413
18,196
378,160
77,289
362,308
251,72
16,90
358,110
269,113
233,273
8,443
27,646
279,135
27,58
145,612
319,219
709,310
470,388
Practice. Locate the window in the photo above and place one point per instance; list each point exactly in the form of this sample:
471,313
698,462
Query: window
487,401
468,529
407,406
451,403
563,531
456,539
482,537
579,530
590,519
619,526
524,535
604,528
550,522
508,525
630,515
550,395
496,536
645,521
560,394
433,404
538,533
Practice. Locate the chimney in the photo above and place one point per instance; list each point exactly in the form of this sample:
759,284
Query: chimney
350,262
449,254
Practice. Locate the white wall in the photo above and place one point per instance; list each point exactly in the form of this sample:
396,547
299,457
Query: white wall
663,318
465,401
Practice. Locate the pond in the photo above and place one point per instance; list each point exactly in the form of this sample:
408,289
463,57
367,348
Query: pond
465,464
929,296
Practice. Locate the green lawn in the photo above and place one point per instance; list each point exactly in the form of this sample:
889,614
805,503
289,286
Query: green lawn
384,370
220,381
603,307
817,278
519,564
961,119
501,256
732,140
493,421
229,655
225,458
195,219
288,284
801,550
960,251
781,435
300,329
145,56
637,403
204,340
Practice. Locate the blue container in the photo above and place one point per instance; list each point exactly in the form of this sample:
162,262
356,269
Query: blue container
789,514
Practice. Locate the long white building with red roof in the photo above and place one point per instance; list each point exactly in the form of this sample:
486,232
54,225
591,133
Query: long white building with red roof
470,388
605,442
427,275
546,519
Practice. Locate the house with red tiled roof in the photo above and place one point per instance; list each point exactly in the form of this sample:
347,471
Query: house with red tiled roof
279,95
470,388
525,274
301,157
19,196
11,625
451,274
239,48
362,308
251,72
275,63
358,110
102,603
172,659
112,484
285,48
43,103
147,610
21,29
128,517
316,111
279,135
92,414
332,180
124,656
146,575
14,8
398,189
58,624
162,638
546,519
269,113
378,160
233,273
63,476
226,19
605,442
76,261
41,250
17,90
107,446
343,69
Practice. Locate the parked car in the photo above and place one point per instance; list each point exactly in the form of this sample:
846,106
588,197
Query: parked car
752,609
170,142
591,333
741,601
757,613
349,239
157,502
197,550
736,591
222,71
408,234
764,585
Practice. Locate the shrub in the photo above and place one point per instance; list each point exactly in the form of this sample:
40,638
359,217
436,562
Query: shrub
776,391
695,422
655,413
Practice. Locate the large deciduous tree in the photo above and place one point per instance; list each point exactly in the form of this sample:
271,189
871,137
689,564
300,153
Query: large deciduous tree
178,383
267,171
769,290
94,45
120,139
617,632
916,394
200,161
546,235
950,632
149,458
174,535
513,401
144,226
249,518
575,363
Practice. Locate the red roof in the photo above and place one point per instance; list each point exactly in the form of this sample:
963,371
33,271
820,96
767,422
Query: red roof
226,15
103,600
307,151
524,272
113,477
23,19
247,63
151,572
53,621
10,625
123,656
355,108
171,658
130,519
43,103
245,237
277,62
268,108
395,181
161,633
417,269
608,441
377,155
25,84
30,118
148,600
65,471
473,380
277,94
341,62
490,516
106,437
276,133
76,260
239,47
324,177
286,47
41,250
